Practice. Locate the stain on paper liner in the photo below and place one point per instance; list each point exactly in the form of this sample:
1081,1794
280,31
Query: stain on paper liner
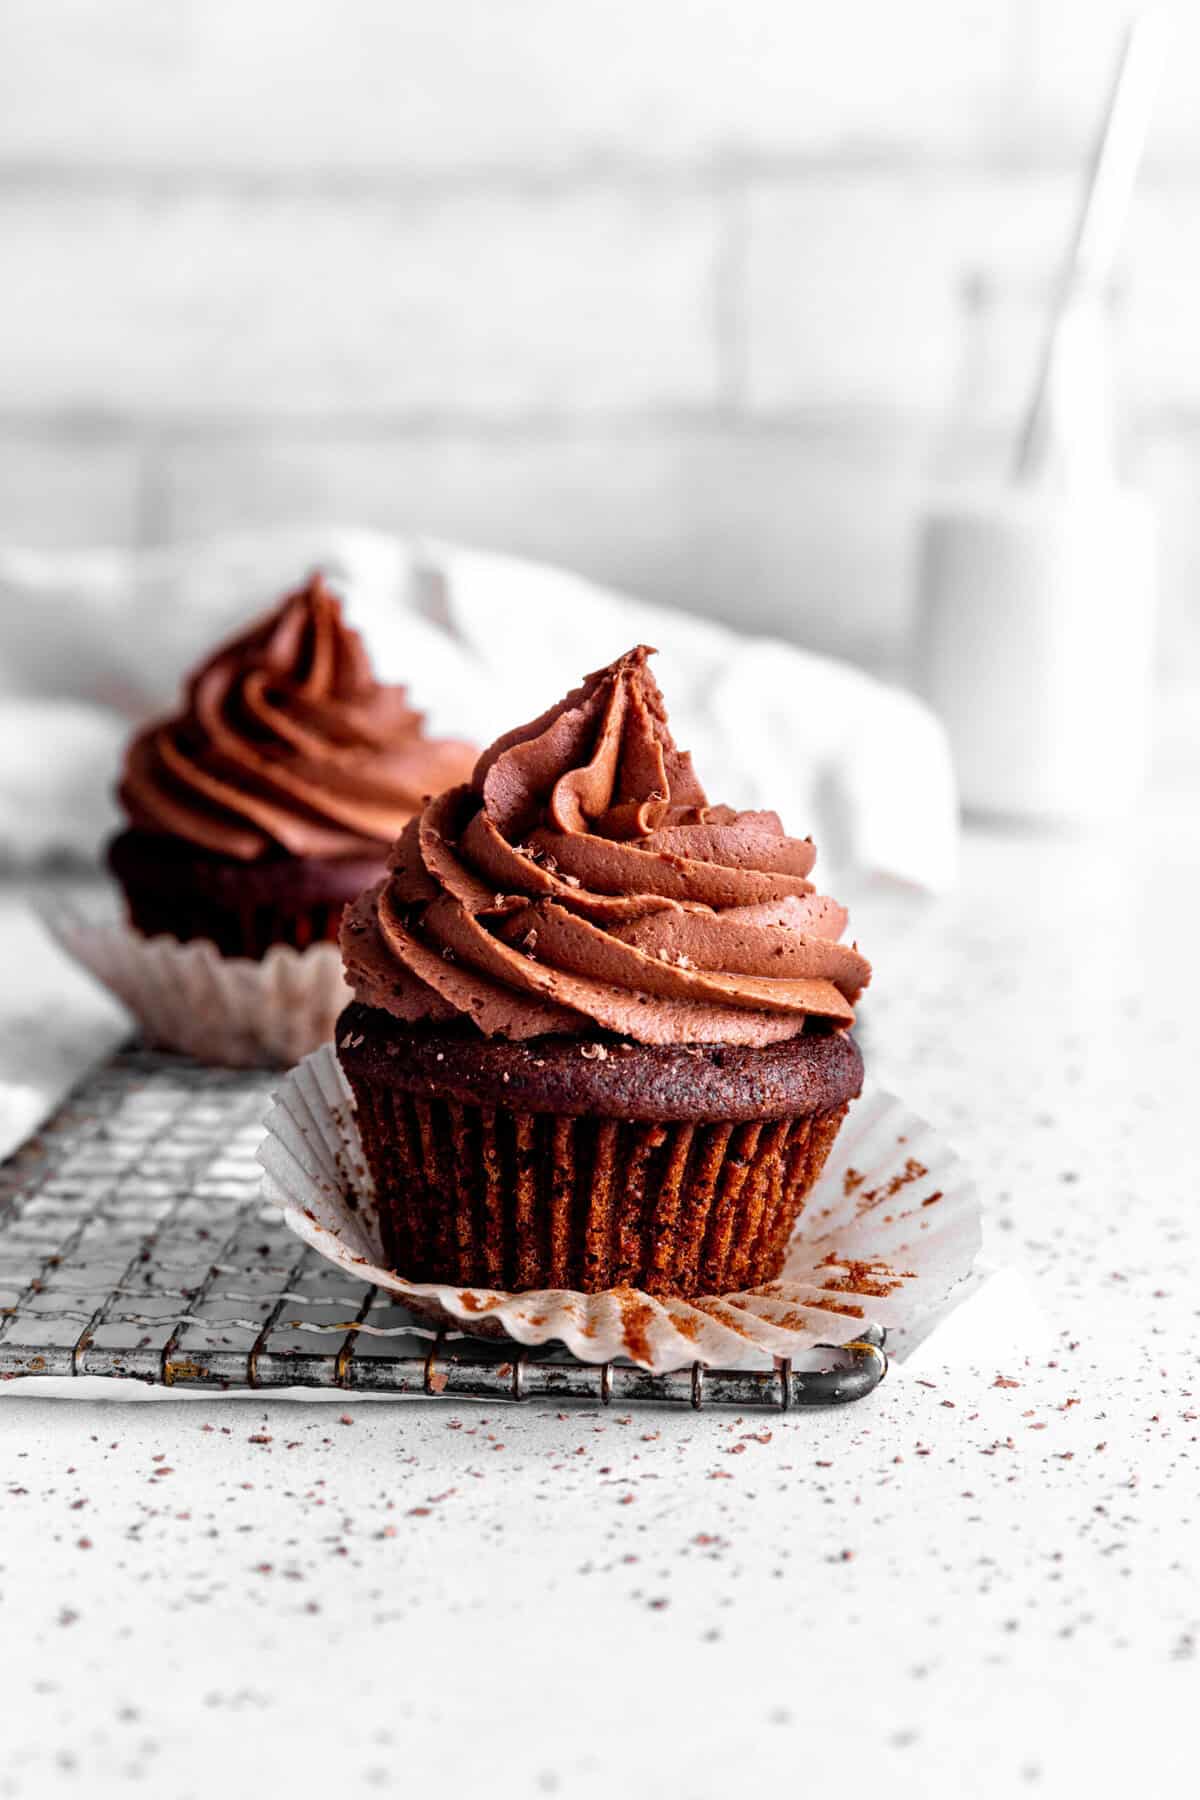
227,1010
888,1237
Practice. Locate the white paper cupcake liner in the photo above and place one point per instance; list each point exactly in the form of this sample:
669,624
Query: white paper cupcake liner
888,1237
229,1010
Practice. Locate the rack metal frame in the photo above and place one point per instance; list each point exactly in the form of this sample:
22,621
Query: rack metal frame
134,1243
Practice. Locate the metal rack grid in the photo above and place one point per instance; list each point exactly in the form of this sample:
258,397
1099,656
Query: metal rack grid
134,1243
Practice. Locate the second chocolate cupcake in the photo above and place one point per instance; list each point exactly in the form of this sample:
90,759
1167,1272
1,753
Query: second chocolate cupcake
271,797
600,1034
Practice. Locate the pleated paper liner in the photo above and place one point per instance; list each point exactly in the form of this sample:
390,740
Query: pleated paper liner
888,1236
226,1010
496,1198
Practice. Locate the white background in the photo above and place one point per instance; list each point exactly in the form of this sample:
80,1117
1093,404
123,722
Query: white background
668,293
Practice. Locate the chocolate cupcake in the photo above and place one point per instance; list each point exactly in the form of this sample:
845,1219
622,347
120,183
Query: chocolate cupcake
600,1034
269,800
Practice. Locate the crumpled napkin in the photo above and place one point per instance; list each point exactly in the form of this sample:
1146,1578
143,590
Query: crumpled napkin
92,642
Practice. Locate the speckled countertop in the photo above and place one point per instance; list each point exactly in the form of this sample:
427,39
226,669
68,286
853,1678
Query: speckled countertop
983,1580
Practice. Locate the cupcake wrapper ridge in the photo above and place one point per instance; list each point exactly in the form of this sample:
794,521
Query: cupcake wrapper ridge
494,1197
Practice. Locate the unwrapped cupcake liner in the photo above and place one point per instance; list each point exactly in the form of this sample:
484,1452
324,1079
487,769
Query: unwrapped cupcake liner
228,1010
888,1237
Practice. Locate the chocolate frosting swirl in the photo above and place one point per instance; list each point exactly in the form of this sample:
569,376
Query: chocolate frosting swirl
287,744
582,880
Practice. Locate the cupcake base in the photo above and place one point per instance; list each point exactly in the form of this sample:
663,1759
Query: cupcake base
851,1264
244,908
561,1163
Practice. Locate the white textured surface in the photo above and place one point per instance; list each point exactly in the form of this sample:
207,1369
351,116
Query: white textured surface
980,1582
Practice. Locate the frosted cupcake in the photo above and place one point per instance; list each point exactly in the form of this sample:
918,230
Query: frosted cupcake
268,800
600,1034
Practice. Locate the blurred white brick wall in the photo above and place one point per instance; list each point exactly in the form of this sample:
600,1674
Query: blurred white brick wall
667,292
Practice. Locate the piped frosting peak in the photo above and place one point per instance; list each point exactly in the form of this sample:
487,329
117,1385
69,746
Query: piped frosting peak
285,743
581,880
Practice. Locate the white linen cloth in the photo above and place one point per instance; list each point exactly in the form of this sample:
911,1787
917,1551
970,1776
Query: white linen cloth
92,642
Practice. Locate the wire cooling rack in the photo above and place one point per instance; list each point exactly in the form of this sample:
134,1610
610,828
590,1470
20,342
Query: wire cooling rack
134,1243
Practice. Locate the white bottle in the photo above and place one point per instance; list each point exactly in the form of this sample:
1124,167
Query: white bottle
1036,605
